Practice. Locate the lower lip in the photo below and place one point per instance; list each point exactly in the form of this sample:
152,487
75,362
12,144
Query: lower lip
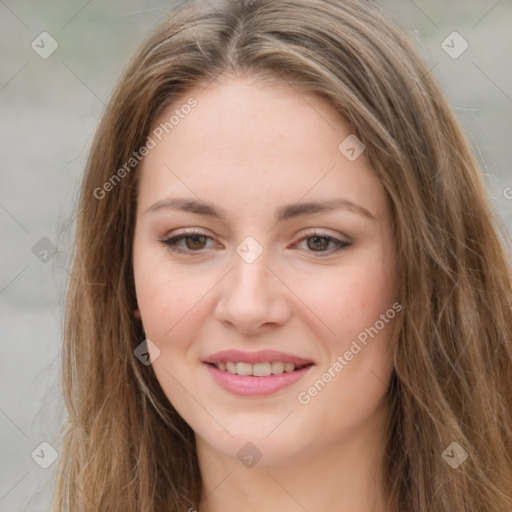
248,385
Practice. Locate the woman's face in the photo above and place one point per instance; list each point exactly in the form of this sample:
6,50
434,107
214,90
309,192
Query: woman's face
241,271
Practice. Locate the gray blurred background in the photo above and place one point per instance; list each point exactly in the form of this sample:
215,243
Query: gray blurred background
50,104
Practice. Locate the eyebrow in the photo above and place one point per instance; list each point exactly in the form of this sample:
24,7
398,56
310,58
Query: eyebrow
283,213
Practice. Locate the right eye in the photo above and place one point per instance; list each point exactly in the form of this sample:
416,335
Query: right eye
194,242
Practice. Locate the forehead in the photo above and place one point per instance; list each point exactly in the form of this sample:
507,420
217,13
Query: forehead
248,114
244,142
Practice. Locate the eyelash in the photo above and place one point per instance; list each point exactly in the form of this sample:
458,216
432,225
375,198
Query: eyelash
171,243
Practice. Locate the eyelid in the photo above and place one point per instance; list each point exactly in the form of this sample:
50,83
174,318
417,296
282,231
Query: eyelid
324,233
188,232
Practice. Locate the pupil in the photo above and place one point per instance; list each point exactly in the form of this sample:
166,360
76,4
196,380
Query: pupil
321,246
195,238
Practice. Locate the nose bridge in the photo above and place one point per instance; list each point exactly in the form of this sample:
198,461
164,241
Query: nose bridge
250,273
249,286
251,296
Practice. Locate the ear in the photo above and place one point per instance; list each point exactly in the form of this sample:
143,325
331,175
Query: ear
136,314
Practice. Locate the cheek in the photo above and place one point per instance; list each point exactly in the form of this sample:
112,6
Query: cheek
358,360
161,294
348,299
174,300
169,302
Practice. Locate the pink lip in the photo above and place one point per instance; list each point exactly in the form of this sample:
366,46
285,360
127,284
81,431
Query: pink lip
262,356
248,385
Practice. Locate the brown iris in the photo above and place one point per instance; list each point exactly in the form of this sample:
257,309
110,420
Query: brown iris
197,241
321,246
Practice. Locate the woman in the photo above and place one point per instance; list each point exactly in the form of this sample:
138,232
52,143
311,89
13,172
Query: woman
289,291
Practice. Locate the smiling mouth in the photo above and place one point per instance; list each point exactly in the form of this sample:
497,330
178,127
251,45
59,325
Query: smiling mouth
258,369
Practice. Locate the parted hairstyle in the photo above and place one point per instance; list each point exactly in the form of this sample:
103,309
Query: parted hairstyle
125,448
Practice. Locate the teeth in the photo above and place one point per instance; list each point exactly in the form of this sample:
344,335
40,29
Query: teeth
261,369
257,369
277,367
243,368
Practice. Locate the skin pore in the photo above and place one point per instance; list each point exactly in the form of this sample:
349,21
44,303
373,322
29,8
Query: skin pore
247,150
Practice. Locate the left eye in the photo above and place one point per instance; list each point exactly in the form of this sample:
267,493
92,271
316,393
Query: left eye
319,242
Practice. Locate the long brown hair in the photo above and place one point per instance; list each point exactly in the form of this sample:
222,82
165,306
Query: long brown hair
125,448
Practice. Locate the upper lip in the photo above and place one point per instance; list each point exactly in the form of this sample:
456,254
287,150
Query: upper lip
261,356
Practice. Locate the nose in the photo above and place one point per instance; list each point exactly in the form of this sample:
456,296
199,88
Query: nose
252,298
